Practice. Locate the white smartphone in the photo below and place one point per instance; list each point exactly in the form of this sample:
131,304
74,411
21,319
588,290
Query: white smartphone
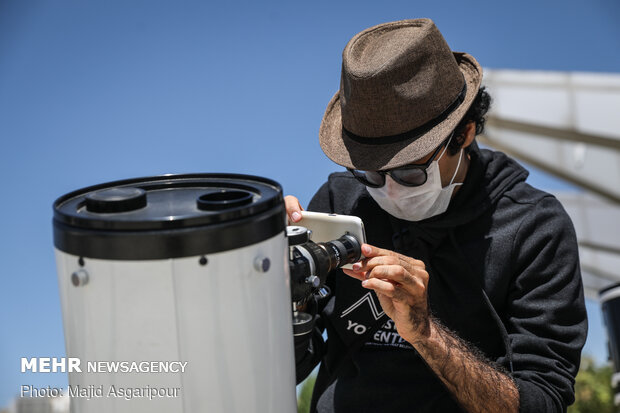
328,227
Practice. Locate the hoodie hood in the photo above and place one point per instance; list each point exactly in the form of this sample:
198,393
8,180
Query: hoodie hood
490,175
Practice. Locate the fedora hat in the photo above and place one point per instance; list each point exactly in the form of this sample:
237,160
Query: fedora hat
402,92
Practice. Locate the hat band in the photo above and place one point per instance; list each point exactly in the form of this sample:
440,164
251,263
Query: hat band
414,133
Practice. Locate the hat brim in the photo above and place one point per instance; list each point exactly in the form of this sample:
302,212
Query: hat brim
350,153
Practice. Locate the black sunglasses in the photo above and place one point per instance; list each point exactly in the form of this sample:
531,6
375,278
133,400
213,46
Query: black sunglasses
407,175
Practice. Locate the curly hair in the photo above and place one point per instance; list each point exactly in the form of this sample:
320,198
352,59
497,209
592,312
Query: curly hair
476,113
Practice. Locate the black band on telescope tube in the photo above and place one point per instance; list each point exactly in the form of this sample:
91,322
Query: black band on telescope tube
170,216
163,244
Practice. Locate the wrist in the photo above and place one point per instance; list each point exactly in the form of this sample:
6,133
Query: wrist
424,334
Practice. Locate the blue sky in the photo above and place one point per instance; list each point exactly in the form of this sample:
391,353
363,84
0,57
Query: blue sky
93,91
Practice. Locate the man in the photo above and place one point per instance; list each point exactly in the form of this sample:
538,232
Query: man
470,296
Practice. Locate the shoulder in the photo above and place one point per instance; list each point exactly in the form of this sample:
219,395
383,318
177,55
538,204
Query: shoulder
527,220
525,226
524,193
531,205
542,235
344,181
340,194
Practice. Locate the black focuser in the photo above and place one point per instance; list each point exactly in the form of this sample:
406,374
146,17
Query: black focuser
311,262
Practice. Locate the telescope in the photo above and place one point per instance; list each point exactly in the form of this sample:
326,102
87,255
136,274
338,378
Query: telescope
197,269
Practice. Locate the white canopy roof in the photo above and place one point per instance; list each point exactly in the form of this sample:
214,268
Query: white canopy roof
568,124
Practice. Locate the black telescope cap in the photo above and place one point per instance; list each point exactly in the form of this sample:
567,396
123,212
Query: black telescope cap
116,200
223,199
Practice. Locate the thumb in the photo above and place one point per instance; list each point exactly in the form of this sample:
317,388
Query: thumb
293,208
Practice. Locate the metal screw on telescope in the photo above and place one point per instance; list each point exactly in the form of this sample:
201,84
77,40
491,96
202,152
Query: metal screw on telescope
79,278
314,281
262,264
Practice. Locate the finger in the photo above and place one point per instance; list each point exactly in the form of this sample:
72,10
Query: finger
387,290
420,275
383,287
414,284
409,264
357,275
293,208
372,251
392,273
368,264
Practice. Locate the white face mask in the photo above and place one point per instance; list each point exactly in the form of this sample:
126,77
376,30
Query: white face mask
415,203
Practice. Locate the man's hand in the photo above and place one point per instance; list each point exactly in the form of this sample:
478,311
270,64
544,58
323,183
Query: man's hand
401,284
293,208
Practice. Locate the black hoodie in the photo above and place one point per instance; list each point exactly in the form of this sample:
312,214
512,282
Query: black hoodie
503,275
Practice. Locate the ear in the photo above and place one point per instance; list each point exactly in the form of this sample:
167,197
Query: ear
469,134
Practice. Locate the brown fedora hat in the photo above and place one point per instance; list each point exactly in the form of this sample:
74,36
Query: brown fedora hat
402,92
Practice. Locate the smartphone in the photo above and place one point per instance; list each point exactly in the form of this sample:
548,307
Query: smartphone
328,227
